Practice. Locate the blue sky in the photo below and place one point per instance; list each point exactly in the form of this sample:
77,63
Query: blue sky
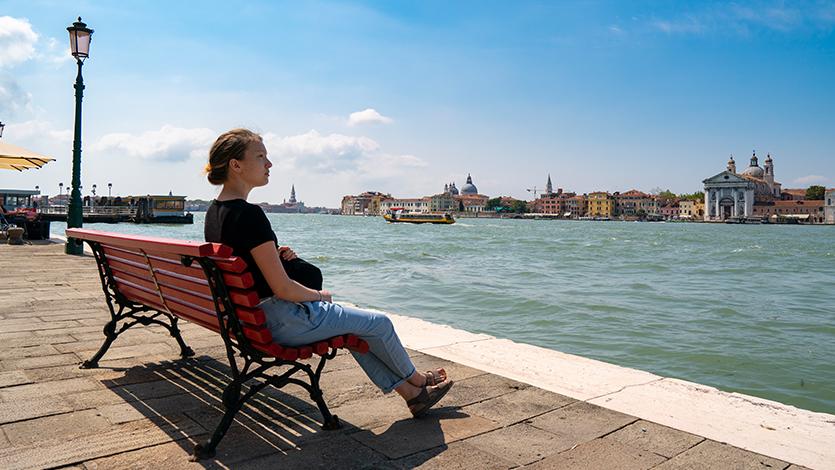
404,97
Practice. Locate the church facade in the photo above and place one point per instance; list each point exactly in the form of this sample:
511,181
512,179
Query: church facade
732,195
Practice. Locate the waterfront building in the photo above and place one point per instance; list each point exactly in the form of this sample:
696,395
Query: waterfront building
631,204
367,203
407,204
691,210
576,206
793,194
443,202
600,204
472,203
671,211
734,195
450,189
829,206
806,211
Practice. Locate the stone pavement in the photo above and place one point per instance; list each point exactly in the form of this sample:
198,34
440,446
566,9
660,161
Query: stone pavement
145,408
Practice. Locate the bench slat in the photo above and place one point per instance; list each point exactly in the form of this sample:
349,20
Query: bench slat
242,297
156,244
139,294
241,280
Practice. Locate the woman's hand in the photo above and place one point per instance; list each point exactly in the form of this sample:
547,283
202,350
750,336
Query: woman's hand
286,253
326,296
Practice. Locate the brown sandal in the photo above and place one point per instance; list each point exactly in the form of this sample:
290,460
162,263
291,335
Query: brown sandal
427,398
434,377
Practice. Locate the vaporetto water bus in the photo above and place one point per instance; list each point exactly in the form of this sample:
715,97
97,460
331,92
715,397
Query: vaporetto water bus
396,214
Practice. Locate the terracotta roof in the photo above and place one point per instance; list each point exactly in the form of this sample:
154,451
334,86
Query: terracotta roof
800,192
797,203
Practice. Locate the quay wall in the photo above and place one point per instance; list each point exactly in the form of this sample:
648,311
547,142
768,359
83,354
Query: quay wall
763,426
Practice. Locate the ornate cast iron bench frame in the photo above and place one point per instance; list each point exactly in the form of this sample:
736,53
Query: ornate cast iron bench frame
155,281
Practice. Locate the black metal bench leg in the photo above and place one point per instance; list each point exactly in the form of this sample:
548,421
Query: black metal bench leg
109,336
185,351
329,422
232,403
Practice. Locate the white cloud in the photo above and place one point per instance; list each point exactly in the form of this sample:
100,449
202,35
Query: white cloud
314,153
167,144
36,129
368,116
17,41
810,179
13,99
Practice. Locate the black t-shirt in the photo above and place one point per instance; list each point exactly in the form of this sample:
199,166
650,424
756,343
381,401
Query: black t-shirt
242,226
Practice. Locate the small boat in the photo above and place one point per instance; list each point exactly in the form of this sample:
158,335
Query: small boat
397,214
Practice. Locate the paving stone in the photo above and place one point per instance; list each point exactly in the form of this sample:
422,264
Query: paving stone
479,388
337,451
30,351
456,456
39,361
581,422
48,389
518,406
601,453
662,440
4,441
256,432
721,456
797,467
67,425
121,412
372,413
14,377
138,351
455,371
36,326
162,456
409,436
59,451
34,340
521,444
19,410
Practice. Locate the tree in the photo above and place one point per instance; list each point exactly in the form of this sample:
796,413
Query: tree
494,204
520,207
815,193
697,196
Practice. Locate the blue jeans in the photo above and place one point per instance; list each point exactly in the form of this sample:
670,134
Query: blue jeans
386,363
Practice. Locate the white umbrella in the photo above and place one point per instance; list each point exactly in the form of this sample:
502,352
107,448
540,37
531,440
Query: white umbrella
17,158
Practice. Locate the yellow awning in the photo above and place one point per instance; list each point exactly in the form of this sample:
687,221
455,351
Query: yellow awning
17,158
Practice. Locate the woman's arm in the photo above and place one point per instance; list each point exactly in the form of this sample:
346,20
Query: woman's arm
266,257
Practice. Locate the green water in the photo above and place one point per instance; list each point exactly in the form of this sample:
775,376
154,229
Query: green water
745,308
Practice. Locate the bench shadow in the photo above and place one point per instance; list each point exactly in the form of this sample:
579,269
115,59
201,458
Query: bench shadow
276,427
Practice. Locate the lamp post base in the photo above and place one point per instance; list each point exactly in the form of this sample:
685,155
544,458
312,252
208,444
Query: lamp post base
72,247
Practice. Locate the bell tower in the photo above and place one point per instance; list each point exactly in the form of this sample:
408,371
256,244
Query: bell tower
732,165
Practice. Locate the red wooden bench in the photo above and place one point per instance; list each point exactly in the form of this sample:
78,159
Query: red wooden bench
158,281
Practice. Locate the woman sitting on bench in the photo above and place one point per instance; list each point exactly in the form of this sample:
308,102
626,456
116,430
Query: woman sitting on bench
295,314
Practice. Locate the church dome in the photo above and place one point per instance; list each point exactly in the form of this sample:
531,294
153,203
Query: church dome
469,187
754,171
754,168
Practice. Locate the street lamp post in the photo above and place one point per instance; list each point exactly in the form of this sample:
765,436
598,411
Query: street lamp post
80,37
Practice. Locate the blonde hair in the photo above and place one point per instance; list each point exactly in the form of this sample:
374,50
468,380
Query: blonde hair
229,145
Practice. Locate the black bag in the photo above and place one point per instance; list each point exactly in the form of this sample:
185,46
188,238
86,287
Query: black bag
304,273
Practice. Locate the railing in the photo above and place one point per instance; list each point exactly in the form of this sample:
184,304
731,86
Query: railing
94,210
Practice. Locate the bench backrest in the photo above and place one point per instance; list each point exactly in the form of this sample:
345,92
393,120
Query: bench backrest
150,271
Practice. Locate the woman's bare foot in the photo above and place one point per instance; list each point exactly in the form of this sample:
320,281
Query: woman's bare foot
428,378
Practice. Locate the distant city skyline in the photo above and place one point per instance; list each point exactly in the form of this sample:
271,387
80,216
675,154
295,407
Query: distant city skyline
405,97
